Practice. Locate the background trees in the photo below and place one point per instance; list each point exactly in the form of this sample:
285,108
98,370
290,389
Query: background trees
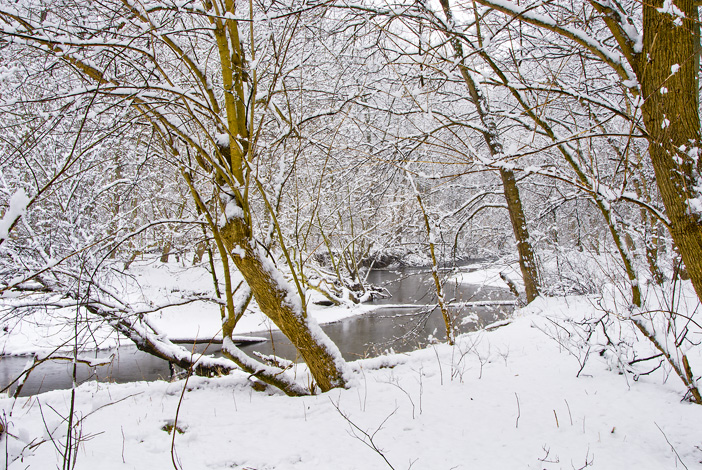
648,65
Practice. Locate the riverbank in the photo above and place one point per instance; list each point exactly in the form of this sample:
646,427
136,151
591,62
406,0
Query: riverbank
533,393
186,314
151,284
405,326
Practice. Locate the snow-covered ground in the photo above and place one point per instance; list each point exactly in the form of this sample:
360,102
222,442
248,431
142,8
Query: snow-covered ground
560,386
491,274
530,394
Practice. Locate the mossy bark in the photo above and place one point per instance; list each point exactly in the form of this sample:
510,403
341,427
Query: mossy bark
527,260
280,305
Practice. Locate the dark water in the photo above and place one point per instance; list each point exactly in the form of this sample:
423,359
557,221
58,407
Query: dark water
400,329
388,328
128,365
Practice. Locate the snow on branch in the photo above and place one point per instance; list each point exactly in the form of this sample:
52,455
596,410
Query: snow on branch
577,35
17,208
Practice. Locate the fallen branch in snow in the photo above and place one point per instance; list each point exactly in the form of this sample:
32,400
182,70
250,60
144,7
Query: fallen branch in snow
365,437
270,375
275,361
682,369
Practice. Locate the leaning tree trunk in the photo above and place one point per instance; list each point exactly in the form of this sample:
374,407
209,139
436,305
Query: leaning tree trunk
668,73
527,260
667,69
283,306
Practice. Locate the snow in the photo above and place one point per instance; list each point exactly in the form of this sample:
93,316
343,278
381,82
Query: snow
18,206
671,9
694,205
238,251
489,275
508,398
222,140
545,389
578,35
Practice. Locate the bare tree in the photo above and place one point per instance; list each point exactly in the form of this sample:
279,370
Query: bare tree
194,75
659,66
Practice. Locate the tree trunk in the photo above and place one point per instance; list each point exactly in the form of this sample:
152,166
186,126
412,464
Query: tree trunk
602,203
448,321
527,260
200,249
165,252
667,70
284,307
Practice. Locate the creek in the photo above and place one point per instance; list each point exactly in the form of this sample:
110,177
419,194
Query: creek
404,321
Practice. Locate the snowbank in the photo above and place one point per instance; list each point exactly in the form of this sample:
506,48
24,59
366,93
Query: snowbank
491,275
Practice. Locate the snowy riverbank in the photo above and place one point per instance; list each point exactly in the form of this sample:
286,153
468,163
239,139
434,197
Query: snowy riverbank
504,399
151,284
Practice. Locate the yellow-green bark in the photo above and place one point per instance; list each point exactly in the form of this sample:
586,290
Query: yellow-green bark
284,311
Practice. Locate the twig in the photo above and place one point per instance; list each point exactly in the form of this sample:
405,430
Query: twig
174,457
409,397
123,440
569,414
671,446
367,439
438,360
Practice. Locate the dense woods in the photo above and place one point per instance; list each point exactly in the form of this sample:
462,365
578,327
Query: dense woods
300,143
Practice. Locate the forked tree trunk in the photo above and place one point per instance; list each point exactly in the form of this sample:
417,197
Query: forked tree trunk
284,307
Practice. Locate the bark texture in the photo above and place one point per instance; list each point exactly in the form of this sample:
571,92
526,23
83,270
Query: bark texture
667,71
572,159
527,260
